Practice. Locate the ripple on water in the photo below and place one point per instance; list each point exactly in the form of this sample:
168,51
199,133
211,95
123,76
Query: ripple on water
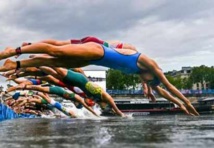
147,131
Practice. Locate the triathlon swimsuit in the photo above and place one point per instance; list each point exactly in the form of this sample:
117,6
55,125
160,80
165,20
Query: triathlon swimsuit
62,93
72,88
43,101
90,89
116,60
59,107
95,40
36,81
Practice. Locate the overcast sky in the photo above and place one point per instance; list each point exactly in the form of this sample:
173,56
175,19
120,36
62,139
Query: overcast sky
175,33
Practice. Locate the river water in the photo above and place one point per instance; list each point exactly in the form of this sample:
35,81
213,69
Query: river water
114,132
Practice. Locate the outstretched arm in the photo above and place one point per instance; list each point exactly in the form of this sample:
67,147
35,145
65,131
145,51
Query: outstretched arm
176,92
147,90
150,94
152,65
81,101
108,99
169,97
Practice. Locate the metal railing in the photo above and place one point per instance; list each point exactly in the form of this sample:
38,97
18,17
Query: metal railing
139,92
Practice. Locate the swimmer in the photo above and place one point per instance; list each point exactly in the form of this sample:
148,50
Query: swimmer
25,82
42,98
114,44
93,91
60,92
52,80
79,55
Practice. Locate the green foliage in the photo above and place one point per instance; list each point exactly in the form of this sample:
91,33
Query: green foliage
176,81
203,74
186,83
117,80
198,75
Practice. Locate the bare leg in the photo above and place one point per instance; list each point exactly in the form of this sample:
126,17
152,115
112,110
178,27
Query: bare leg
42,48
13,88
24,74
61,71
35,87
88,51
50,62
50,71
50,79
10,65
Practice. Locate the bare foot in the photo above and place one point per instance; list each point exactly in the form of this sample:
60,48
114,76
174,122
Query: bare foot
7,74
4,75
25,44
8,52
8,65
11,77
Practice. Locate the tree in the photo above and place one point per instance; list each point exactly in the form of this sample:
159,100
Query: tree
176,81
117,80
199,74
114,79
210,77
203,74
186,83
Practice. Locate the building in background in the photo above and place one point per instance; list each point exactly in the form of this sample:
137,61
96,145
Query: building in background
185,73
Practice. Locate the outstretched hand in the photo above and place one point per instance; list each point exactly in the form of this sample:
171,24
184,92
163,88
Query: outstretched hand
152,97
183,108
124,116
192,110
